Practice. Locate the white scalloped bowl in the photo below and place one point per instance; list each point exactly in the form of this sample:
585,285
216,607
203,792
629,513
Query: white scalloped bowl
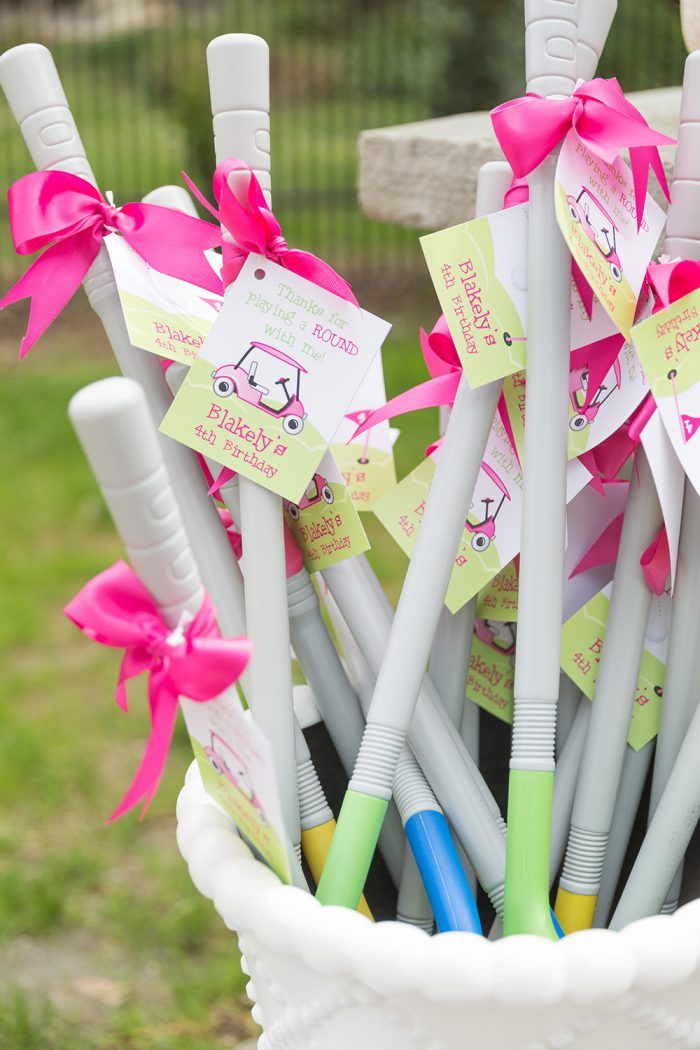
329,979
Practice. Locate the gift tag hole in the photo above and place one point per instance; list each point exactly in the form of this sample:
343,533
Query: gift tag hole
258,275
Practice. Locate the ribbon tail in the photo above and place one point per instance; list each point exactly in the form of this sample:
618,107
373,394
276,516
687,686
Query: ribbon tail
583,288
50,283
656,562
603,550
308,265
431,394
172,242
164,704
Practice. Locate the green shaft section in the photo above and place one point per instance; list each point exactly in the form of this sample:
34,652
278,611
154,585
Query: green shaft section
526,907
352,848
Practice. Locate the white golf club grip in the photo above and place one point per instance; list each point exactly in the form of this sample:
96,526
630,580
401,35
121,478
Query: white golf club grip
683,222
114,427
551,37
594,20
175,197
32,87
492,183
239,85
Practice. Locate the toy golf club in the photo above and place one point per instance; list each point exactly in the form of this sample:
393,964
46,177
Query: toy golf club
625,631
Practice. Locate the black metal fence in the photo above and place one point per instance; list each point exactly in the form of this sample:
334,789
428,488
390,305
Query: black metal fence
134,72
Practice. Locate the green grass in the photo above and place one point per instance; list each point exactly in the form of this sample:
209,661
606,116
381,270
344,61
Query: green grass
82,899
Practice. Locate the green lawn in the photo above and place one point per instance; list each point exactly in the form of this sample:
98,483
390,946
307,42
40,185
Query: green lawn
104,942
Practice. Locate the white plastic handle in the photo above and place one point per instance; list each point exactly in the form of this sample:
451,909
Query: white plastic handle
175,197
492,183
683,223
239,85
551,37
32,87
115,429
594,20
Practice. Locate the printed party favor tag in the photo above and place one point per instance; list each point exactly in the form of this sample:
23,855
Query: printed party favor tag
491,668
479,270
164,315
274,377
668,343
237,767
325,522
491,536
367,463
596,214
498,600
582,644
591,419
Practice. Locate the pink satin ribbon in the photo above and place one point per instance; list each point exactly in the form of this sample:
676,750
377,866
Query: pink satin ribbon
115,609
253,228
68,218
442,362
671,281
655,562
530,127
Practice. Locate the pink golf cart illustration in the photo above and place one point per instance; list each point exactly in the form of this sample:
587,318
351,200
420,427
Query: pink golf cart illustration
258,376
496,634
585,411
589,213
689,425
317,490
228,763
484,531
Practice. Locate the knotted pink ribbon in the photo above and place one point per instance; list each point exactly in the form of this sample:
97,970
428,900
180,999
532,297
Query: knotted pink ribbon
253,228
529,128
443,364
115,609
68,217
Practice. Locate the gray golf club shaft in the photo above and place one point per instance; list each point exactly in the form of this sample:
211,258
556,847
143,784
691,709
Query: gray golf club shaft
457,783
238,67
676,798
631,598
634,774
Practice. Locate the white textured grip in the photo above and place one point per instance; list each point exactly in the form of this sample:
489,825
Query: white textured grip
239,85
114,426
594,20
492,183
551,37
33,89
683,223
175,197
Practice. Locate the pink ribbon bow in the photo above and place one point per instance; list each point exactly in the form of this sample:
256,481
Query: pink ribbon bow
529,128
244,213
443,364
115,609
68,217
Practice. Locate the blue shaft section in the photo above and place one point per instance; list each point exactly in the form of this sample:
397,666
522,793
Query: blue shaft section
445,883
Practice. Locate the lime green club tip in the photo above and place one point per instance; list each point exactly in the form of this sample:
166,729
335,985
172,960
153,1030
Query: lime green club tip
352,848
526,905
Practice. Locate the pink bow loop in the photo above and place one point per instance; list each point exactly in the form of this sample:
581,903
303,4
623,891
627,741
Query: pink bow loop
251,228
530,127
66,218
673,280
116,610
